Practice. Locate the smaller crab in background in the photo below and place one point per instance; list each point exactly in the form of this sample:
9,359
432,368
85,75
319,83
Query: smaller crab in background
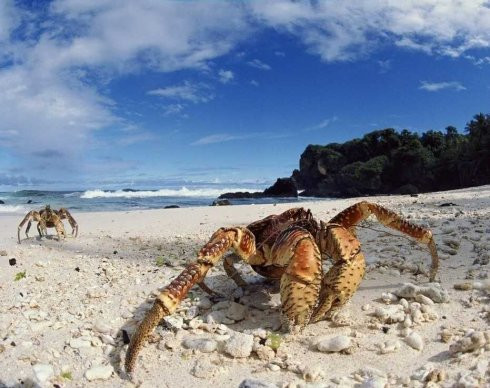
49,218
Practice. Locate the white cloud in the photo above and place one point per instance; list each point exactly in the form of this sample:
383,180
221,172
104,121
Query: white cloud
217,138
173,109
258,64
384,65
52,91
193,92
225,76
254,83
436,86
57,64
323,124
224,137
345,30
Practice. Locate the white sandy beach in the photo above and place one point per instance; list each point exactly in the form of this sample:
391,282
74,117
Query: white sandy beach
61,324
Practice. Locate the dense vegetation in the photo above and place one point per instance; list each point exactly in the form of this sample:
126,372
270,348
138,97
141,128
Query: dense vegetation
387,161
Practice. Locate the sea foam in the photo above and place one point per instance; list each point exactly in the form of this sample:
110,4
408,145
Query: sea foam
182,192
12,209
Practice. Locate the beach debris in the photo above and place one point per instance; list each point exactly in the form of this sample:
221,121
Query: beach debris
254,383
12,262
3,252
311,373
43,372
239,345
446,335
390,314
483,285
433,291
206,369
389,298
473,340
273,341
415,341
435,376
333,344
204,345
99,372
389,346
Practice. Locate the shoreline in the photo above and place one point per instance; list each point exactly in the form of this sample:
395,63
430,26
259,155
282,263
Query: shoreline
132,204
67,322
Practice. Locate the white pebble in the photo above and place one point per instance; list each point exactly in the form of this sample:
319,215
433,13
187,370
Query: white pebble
77,343
101,372
101,327
415,341
333,344
204,345
239,345
374,382
43,372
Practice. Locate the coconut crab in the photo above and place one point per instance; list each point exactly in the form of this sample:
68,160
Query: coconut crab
290,247
49,218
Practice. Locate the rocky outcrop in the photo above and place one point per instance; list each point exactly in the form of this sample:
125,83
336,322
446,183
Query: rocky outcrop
283,187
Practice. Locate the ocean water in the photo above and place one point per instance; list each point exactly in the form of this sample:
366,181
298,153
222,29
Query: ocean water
125,199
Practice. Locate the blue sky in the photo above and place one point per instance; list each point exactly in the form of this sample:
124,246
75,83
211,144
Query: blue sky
102,93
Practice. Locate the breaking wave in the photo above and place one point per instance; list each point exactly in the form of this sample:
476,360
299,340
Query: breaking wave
12,209
182,192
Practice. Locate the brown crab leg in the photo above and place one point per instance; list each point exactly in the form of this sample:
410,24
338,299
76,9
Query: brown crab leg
296,251
232,272
241,240
60,229
347,272
362,210
71,220
26,218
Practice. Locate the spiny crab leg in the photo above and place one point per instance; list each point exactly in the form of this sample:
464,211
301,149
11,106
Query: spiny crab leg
354,214
64,213
241,240
346,273
296,251
32,215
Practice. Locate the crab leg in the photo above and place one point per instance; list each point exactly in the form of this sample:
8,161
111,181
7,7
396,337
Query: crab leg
343,279
29,216
232,272
296,251
354,214
241,240
60,229
71,220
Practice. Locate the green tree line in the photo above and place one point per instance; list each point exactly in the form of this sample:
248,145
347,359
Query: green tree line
387,161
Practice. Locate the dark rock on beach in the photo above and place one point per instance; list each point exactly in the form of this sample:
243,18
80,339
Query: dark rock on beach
221,202
283,187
